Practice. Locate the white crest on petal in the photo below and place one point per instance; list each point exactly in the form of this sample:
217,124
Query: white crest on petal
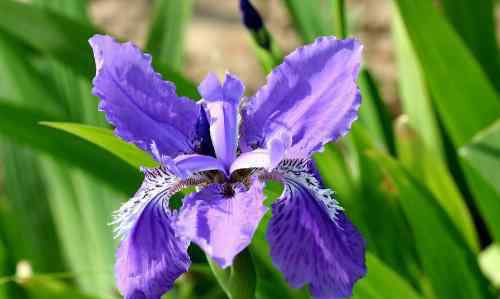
299,171
158,184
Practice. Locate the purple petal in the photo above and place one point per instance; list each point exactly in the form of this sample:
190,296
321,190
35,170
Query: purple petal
312,241
259,158
266,158
312,95
221,103
152,257
196,163
222,226
159,183
143,108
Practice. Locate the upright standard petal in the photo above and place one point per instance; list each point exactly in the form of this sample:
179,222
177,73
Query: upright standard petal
311,240
221,103
312,95
222,221
142,107
152,255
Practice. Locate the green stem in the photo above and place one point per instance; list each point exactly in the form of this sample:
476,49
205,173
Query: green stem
238,282
340,18
268,52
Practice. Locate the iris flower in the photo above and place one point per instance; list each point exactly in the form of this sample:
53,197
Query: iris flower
228,146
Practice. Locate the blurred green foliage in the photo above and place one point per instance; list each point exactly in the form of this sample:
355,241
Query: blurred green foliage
423,186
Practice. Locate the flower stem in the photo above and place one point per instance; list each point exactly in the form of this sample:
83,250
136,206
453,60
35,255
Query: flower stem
238,282
340,18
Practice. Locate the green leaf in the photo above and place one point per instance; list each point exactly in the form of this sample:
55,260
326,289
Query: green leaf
24,190
65,212
45,287
386,229
310,20
56,35
49,32
433,172
340,17
21,125
415,96
374,113
270,57
107,140
334,170
238,281
21,82
76,200
441,248
166,36
481,160
95,204
75,9
463,96
484,154
26,222
3,270
489,260
475,22
381,282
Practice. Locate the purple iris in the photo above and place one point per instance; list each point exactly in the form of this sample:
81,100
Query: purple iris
228,146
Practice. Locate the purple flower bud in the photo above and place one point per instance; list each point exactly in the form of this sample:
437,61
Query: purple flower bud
251,17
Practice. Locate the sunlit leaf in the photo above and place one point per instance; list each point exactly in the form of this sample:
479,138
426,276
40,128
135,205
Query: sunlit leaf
107,140
432,171
489,260
24,190
481,159
45,287
21,125
475,22
238,281
61,37
49,32
166,36
415,97
374,113
311,18
381,282
463,95
75,9
3,270
377,211
440,247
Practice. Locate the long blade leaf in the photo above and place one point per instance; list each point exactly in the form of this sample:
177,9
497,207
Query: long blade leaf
481,160
441,248
107,140
463,95
475,22
166,36
22,126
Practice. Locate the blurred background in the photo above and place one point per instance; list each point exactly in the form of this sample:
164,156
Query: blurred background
419,174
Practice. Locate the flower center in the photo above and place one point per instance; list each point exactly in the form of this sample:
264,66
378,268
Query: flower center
239,178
